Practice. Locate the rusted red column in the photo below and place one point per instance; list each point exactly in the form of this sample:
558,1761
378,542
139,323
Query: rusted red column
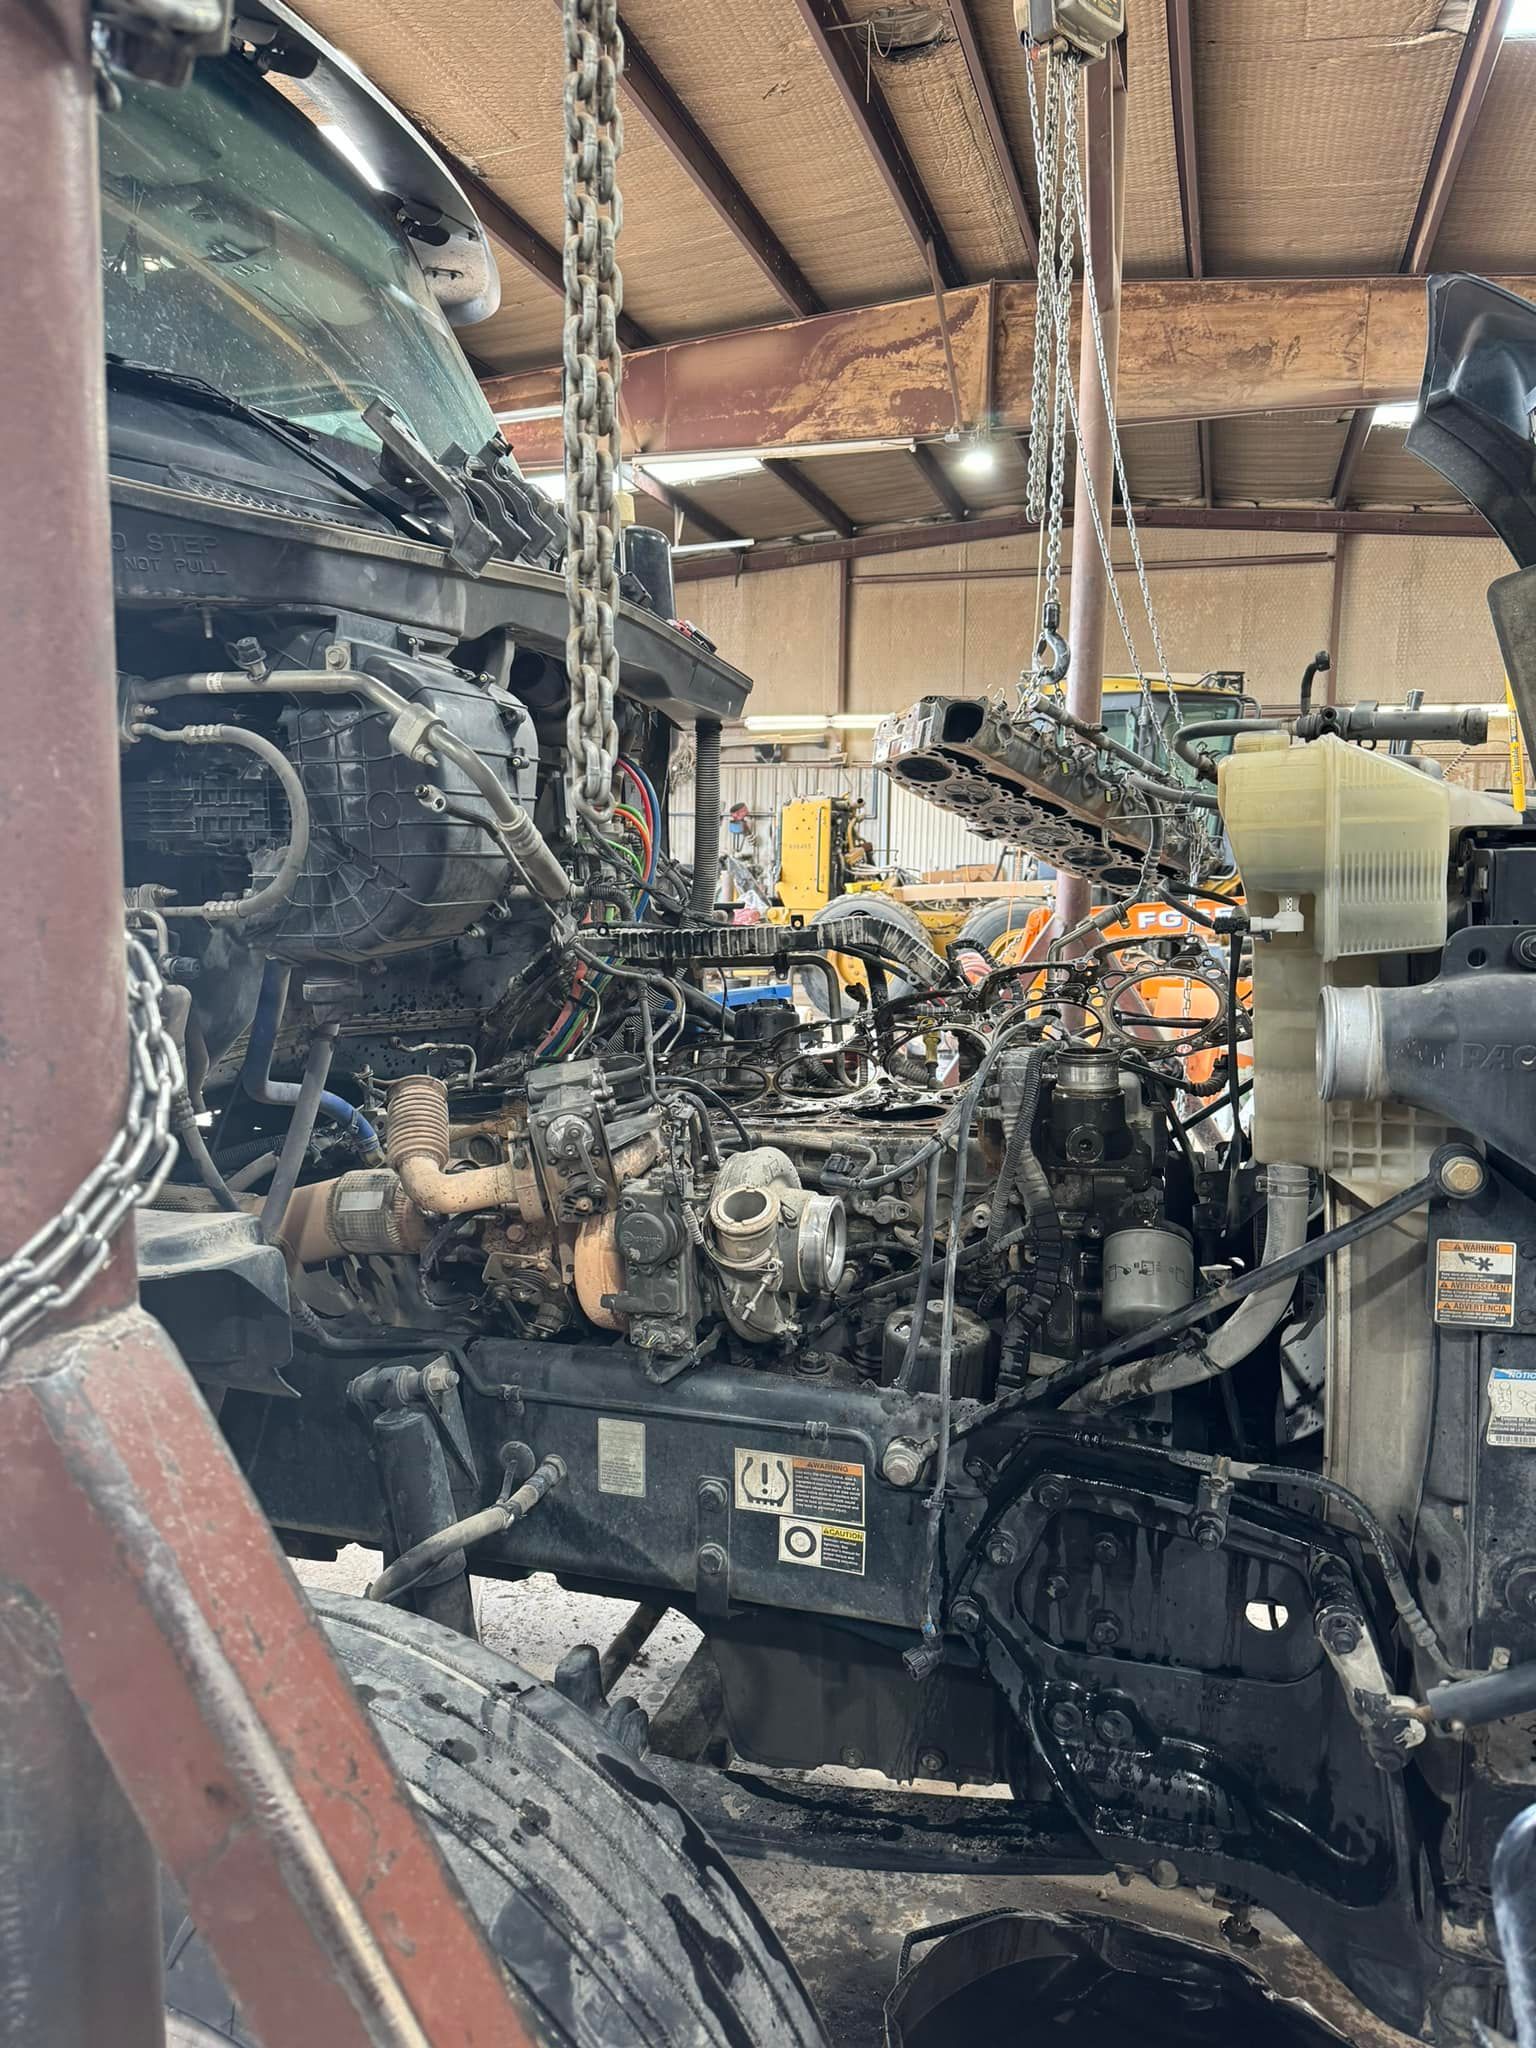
141,1590
1088,606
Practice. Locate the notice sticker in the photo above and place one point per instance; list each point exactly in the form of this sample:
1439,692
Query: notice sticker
620,1457
1512,1409
1475,1282
814,1489
826,1545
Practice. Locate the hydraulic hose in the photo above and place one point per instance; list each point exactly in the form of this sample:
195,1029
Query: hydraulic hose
1243,1332
706,817
192,1142
495,1520
1217,729
301,1128
256,1072
273,894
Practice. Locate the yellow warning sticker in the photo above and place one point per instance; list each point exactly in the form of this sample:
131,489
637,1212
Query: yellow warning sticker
823,1544
814,1489
1475,1282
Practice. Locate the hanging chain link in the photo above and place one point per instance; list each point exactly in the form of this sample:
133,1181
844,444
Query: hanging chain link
594,296
55,1266
1047,144
1054,135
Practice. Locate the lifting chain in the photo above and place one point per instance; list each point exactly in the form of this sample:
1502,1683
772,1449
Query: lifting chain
55,1266
594,296
1063,213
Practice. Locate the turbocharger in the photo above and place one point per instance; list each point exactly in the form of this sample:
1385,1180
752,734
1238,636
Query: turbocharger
771,1242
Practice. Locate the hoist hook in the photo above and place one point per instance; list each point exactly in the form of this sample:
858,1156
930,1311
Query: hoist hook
1052,655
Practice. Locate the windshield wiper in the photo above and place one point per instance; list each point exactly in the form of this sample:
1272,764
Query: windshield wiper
198,391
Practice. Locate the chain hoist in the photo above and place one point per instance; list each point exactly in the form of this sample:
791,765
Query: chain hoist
55,1266
594,296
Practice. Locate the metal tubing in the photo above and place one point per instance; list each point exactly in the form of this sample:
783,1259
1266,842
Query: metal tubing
418,1488
1104,179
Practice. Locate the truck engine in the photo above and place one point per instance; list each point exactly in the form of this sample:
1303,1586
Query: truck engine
1017,1387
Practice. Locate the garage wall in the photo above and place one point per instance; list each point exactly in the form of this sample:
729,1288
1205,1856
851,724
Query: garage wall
960,619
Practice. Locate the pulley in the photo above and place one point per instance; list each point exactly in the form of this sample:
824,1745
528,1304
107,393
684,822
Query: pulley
1088,26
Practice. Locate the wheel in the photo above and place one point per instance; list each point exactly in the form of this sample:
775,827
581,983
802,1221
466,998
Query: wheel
990,924
880,910
621,1922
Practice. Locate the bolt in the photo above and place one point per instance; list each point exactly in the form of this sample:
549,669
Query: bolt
931,1763
1001,1548
966,1616
1106,1548
1524,949
1104,1630
1520,1591
1206,1530
712,1495
1056,1586
903,1462
1051,1492
1239,1931
1339,1631
1500,1659
851,1757
1066,1720
1113,1727
711,1560
1462,1174
1165,1875
439,1378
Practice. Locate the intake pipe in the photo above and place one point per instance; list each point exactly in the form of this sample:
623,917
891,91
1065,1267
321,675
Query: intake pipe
416,1145
1464,1048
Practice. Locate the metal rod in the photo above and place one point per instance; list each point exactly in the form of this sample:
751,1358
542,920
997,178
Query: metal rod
628,1643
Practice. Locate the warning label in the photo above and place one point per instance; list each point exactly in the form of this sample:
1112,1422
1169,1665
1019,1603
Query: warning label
1475,1282
825,1544
815,1489
1512,1408
620,1456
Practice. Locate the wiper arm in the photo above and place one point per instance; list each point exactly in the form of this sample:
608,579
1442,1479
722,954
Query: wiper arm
198,391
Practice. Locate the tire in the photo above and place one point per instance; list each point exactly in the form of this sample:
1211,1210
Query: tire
991,922
620,1921
883,910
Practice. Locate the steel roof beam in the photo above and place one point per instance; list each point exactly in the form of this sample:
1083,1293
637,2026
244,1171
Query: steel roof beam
827,510
843,48
992,116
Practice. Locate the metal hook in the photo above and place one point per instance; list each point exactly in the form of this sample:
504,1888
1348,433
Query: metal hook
1052,655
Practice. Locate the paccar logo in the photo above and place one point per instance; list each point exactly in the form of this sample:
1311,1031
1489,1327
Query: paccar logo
1497,1059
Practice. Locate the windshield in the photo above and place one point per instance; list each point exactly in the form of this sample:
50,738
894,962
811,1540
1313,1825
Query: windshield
238,247
1126,720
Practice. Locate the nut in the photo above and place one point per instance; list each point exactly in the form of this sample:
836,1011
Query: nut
1065,1719
1113,1727
1056,1586
712,1495
1106,1548
1164,1875
1339,1631
711,1560
1207,1532
1104,1630
1001,1548
931,1763
851,1757
966,1616
1462,1174
1051,1492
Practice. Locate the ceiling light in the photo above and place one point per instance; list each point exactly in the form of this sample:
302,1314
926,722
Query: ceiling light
1402,414
344,146
683,470
714,547
527,412
1522,19
788,721
979,459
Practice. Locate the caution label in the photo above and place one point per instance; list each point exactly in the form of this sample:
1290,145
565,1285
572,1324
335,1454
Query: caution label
620,1456
1512,1408
1475,1282
811,1489
826,1545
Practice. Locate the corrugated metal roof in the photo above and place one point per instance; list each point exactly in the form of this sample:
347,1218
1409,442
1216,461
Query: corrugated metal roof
1314,120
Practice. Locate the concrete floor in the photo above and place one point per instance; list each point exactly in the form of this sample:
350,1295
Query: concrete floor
845,1932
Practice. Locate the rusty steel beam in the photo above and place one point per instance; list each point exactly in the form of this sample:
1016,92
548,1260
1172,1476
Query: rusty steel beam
1190,349
843,46
876,543
794,478
1463,108
647,86
964,24
682,508
936,477
133,1556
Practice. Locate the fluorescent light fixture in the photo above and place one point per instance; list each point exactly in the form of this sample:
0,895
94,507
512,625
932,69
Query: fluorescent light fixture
714,547
788,721
550,481
344,146
683,470
1402,414
527,412
858,721
1522,19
